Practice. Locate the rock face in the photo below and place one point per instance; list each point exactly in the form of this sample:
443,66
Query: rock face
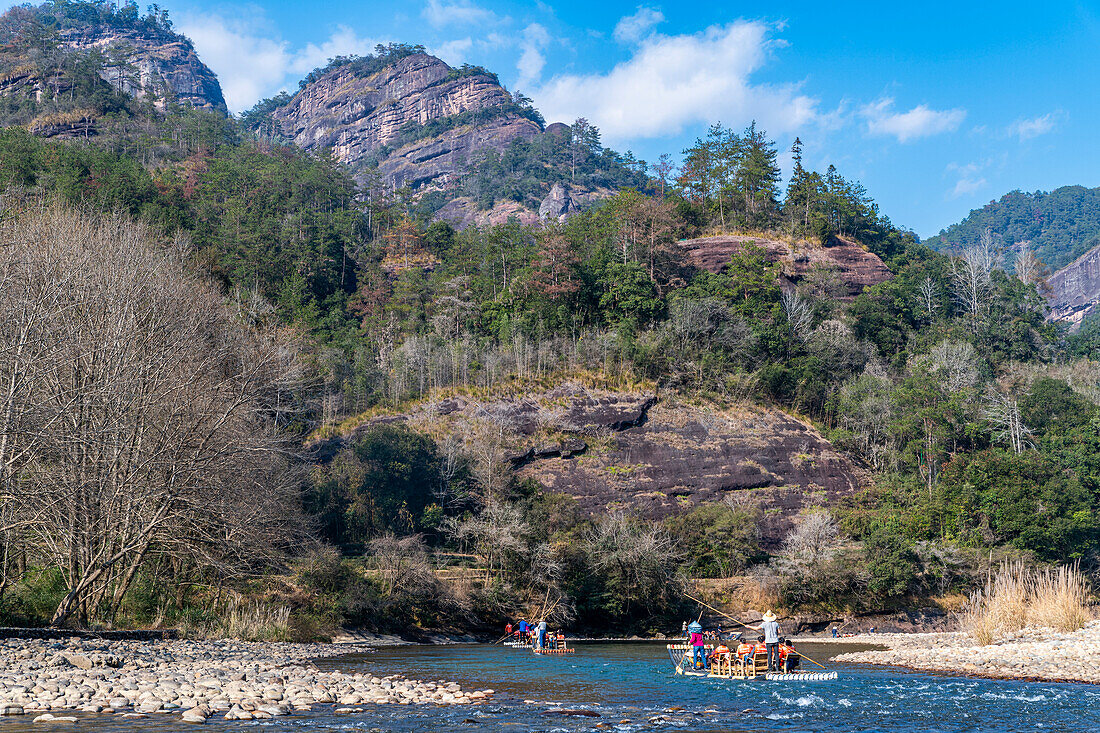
361,118
557,204
164,65
656,456
1075,289
855,267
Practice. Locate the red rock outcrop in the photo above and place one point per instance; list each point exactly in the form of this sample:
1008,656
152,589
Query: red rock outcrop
856,267
659,457
361,118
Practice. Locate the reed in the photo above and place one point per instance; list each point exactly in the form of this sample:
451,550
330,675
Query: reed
1058,598
1018,596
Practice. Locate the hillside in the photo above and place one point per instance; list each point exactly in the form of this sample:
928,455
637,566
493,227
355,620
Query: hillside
1062,228
839,259
1060,225
65,67
657,456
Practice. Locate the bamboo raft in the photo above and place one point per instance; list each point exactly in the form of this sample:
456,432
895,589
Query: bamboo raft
556,650
730,667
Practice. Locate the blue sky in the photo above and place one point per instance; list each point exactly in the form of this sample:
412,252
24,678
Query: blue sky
937,107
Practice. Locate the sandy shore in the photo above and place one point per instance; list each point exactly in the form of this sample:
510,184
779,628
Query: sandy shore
1032,654
195,680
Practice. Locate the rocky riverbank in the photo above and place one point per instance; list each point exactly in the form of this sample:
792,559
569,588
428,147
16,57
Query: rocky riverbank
1031,654
195,680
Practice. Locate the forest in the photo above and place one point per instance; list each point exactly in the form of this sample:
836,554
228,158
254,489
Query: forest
257,305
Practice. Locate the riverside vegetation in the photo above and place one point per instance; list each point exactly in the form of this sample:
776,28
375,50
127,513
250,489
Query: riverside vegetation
187,308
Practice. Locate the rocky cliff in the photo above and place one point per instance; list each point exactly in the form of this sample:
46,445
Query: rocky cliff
1075,289
853,267
160,64
381,117
658,456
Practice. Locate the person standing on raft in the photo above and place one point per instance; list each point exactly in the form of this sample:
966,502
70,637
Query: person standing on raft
770,627
698,651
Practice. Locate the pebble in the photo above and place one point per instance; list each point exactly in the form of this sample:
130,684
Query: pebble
1028,654
195,680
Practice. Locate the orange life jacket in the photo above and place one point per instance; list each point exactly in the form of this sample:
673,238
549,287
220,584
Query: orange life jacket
762,648
722,649
744,649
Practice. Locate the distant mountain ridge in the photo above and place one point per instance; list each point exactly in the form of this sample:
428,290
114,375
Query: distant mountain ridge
1060,225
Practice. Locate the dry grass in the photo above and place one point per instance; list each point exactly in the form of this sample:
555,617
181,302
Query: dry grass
238,618
1058,599
1019,596
740,592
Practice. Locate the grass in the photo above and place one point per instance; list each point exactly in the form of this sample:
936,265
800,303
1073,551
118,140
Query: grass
1018,597
240,618
1059,598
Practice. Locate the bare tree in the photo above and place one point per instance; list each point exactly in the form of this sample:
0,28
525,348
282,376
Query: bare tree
1030,269
638,559
497,534
148,420
800,313
1002,412
970,275
401,564
955,363
927,298
813,538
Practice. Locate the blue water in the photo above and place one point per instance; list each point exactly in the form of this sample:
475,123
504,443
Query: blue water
632,688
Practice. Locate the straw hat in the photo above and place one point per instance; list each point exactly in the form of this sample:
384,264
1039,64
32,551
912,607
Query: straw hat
769,616
694,627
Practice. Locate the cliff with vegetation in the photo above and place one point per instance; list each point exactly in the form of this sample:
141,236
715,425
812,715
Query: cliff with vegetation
410,116
469,151
74,69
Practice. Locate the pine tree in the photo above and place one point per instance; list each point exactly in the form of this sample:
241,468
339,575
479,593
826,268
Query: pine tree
757,178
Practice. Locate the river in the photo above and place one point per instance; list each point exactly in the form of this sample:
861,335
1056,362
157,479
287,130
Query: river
632,688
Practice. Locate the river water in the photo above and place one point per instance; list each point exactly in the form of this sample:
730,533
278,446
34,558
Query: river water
632,688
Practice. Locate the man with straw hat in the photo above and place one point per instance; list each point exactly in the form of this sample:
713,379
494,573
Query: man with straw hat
770,627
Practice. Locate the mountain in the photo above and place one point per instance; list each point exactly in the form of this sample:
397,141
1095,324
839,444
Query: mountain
408,113
658,456
1059,226
470,150
163,65
65,67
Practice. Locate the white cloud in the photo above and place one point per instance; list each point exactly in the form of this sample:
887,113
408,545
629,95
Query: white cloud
631,28
966,186
1026,129
460,12
343,42
674,81
921,121
250,65
969,178
531,59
